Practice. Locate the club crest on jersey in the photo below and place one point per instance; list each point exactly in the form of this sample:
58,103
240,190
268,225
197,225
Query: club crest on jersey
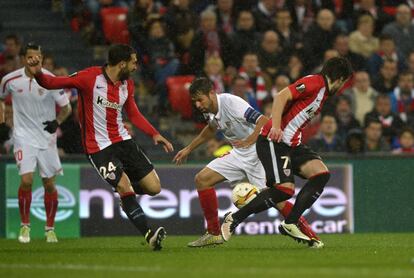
108,104
300,87
287,172
41,91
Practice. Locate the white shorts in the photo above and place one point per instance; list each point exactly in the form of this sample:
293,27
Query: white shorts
28,157
236,167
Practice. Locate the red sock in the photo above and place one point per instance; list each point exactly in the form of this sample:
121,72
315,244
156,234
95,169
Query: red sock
51,203
303,224
25,199
209,204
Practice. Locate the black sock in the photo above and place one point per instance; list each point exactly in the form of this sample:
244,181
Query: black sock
135,213
265,200
307,196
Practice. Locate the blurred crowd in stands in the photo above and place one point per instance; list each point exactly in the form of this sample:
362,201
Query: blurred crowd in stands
254,49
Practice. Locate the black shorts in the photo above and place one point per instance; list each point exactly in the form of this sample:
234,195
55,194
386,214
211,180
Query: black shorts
125,156
280,161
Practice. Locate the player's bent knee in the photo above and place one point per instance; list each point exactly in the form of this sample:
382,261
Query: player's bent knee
201,181
154,191
26,182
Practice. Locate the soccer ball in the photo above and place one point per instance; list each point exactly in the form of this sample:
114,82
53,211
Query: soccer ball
243,193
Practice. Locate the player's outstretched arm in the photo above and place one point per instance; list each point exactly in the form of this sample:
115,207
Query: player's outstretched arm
138,120
279,103
47,81
206,134
252,138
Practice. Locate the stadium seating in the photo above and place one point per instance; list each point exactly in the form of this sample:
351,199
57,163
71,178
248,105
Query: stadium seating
178,94
114,24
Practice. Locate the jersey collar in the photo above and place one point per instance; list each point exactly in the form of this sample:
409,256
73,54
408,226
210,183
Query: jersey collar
326,84
108,80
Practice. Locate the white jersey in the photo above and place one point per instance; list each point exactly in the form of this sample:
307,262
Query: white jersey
235,118
32,105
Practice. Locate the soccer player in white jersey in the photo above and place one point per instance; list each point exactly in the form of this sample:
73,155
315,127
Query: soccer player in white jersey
241,125
34,138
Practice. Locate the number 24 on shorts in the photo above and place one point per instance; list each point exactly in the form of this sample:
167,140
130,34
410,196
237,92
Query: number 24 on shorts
107,172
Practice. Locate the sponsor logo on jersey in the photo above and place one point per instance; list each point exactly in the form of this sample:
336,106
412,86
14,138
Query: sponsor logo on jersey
300,87
108,104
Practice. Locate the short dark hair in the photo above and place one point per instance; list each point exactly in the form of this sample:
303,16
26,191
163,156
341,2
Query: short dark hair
237,77
337,68
406,130
332,115
386,37
118,53
372,120
250,53
201,85
405,73
13,37
30,46
382,96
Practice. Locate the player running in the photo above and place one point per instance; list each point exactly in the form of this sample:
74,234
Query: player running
241,125
34,138
104,92
282,154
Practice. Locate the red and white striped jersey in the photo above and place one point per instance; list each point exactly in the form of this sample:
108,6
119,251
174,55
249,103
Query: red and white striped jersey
308,97
100,106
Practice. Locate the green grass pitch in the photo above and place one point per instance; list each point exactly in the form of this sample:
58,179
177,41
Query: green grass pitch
359,255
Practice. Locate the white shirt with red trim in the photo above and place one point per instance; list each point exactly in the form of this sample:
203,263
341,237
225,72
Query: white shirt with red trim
32,105
308,97
100,106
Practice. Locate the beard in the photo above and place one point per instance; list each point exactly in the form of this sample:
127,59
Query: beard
124,75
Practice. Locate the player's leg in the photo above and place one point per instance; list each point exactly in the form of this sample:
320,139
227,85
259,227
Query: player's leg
26,163
256,175
227,167
51,205
205,181
279,179
307,164
140,171
150,184
109,166
136,215
25,200
50,166
318,176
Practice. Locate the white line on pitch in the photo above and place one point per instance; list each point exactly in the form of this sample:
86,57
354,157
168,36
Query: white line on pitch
82,267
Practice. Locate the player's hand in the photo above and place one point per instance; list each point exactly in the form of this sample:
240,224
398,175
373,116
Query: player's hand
275,135
168,147
51,126
4,132
181,156
34,65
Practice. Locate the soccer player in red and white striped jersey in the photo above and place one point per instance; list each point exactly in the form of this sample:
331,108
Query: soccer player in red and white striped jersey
104,93
282,153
